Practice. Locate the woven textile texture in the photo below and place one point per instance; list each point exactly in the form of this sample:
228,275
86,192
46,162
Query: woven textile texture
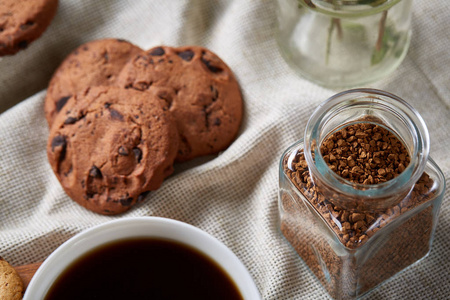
234,195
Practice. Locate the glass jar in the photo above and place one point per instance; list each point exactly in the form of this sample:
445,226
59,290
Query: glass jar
344,43
355,236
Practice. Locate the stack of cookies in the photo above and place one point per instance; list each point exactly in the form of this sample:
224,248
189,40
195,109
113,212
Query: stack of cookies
120,117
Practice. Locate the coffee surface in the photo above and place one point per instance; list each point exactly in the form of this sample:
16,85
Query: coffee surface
144,268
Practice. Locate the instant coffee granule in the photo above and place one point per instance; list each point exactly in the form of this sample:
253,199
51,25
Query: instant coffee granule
365,153
336,250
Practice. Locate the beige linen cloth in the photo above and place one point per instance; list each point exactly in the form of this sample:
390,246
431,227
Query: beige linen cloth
234,195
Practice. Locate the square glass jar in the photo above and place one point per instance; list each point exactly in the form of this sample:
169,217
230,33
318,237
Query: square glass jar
354,237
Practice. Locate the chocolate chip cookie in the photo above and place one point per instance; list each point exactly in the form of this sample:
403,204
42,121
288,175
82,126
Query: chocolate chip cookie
96,63
11,286
198,89
109,146
22,22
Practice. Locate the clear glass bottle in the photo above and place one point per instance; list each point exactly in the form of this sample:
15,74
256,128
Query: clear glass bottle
344,43
355,236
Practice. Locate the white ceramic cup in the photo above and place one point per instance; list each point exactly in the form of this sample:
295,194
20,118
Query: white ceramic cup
156,227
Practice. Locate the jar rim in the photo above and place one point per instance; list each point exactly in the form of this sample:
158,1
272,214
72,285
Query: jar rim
408,177
338,8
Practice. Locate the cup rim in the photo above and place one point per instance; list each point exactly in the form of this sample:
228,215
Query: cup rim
147,226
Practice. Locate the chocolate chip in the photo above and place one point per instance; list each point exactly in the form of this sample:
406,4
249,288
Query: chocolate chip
212,68
22,44
89,195
186,55
68,172
115,115
107,105
61,102
137,154
106,57
70,120
95,172
157,52
185,148
217,122
57,141
60,141
121,41
26,25
142,196
215,93
142,86
126,201
123,151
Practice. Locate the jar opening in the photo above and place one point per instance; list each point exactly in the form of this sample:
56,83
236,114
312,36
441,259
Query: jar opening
323,164
371,107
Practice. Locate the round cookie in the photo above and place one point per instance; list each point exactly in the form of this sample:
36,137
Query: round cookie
110,146
22,22
96,63
198,89
11,286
